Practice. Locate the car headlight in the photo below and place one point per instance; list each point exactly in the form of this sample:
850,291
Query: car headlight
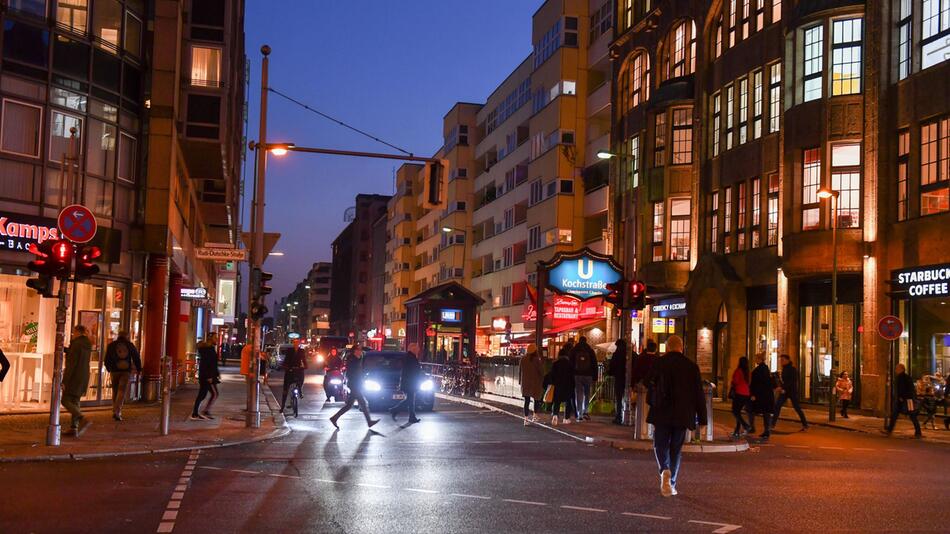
319,358
426,385
335,381
372,385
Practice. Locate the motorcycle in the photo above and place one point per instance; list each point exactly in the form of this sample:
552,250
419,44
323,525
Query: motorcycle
333,385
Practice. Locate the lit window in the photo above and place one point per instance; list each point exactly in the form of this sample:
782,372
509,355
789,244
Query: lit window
659,140
719,37
775,97
107,24
732,23
935,167
757,106
716,120
741,216
846,180
811,182
682,136
935,32
714,222
72,15
759,14
133,34
727,221
756,212
634,159
205,66
745,19
679,229
904,47
903,165
627,14
743,109
59,135
658,231
812,63
730,116
21,129
846,57
679,56
635,81
773,210
776,10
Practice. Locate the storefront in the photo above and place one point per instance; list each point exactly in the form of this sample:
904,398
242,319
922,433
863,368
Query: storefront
922,302
441,320
762,305
667,318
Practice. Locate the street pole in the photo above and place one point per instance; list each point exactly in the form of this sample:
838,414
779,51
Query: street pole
834,306
253,415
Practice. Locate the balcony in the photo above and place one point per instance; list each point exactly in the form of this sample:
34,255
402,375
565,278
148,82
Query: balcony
598,101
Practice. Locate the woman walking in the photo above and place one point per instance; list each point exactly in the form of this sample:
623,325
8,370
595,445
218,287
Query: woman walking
740,396
531,371
843,388
562,377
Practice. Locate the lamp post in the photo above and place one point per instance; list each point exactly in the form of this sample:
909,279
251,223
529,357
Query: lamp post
824,194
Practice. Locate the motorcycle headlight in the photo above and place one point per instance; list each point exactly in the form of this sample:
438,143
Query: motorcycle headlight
319,358
426,385
335,381
372,385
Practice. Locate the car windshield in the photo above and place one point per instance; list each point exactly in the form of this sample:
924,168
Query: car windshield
383,361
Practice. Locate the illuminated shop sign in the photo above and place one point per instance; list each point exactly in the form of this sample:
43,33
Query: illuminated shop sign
451,316
18,231
194,293
583,274
923,282
670,308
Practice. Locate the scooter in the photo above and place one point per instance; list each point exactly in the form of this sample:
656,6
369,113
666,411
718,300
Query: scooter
333,385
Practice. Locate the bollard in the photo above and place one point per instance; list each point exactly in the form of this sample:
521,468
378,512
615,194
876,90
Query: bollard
708,388
166,396
640,414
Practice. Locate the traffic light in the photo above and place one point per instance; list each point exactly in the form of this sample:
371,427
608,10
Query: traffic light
43,284
84,266
638,295
435,180
614,294
61,258
258,311
259,281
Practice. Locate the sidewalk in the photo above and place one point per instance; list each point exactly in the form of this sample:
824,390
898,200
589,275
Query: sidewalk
600,430
23,437
858,423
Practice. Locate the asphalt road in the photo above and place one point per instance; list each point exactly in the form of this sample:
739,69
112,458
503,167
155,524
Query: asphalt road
467,470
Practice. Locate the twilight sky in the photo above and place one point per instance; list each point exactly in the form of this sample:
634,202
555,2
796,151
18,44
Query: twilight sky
389,67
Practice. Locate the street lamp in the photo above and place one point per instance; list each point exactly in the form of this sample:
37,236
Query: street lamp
826,194
603,154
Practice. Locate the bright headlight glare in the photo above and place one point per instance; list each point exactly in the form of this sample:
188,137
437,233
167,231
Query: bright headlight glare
335,381
426,385
372,385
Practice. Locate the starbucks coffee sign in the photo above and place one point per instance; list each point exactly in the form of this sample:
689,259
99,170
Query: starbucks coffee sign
923,282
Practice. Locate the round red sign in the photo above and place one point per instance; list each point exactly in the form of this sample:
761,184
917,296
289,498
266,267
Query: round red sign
890,327
77,223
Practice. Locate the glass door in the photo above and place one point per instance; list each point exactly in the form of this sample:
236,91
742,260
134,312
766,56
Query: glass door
815,366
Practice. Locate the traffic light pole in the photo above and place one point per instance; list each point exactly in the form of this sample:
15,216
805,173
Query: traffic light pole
53,432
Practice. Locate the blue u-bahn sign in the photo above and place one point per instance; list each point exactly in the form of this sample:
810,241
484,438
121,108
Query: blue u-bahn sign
583,274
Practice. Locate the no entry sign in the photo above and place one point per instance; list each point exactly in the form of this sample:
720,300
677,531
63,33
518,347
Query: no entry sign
77,223
890,327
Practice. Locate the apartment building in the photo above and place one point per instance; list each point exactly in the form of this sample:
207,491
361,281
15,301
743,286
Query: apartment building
320,286
749,134
402,211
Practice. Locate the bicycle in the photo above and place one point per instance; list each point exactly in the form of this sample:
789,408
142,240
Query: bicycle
295,399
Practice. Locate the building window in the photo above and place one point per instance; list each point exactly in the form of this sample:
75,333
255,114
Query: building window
534,238
741,217
757,106
205,66
776,10
846,57
59,135
133,35
21,130
773,210
97,196
904,47
716,122
811,182
507,255
714,222
718,46
682,136
73,15
846,180
634,159
759,14
37,8
745,19
730,114
732,23
813,42
756,212
100,149
935,31
681,59
679,229
903,163
537,192
727,223
743,109
935,166
635,81
775,97
659,140
658,231
107,24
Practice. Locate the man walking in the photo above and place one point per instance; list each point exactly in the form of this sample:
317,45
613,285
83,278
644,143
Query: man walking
643,364
788,391
76,377
676,403
208,379
409,384
585,372
122,360
618,370
761,396
354,381
905,401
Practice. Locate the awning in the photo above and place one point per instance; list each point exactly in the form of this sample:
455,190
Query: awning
576,325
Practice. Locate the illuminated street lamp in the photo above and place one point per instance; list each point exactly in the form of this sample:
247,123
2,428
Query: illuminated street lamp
603,154
826,194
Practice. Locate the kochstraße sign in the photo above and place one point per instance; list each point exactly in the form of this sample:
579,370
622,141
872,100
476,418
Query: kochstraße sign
923,282
583,274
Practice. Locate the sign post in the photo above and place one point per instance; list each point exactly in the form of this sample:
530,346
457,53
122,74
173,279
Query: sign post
890,328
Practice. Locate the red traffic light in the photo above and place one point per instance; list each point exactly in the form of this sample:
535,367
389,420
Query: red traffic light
638,295
62,251
637,287
84,267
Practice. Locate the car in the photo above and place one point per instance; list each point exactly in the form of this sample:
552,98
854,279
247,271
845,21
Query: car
382,371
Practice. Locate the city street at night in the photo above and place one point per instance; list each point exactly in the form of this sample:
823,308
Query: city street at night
463,469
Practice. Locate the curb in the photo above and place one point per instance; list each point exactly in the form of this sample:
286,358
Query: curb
280,421
617,444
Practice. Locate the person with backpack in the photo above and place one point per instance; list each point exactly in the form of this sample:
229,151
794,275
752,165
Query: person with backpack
677,402
618,370
584,362
761,397
122,360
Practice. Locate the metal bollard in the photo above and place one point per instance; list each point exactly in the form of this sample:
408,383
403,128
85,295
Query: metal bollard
166,396
708,388
640,415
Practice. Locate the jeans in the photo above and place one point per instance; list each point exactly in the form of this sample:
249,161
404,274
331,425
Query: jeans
351,399
582,394
618,405
527,403
896,411
206,386
71,403
120,389
668,447
781,402
408,403
291,378
740,402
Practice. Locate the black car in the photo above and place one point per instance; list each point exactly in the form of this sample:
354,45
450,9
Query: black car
382,371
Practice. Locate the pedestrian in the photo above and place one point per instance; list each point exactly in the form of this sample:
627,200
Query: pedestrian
643,364
409,381
618,370
531,376
788,391
354,381
263,372
295,369
76,377
844,388
4,365
677,403
761,397
905,401
584,362
739,393
562,378
208,379
122,361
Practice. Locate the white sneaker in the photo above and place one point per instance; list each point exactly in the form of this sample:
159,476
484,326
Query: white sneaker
554,421
568,421
673,490
527,421
666,487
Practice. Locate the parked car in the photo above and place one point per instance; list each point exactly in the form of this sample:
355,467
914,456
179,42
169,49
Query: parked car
382,371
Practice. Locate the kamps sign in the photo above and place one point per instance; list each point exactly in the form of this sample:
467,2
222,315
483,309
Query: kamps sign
583,274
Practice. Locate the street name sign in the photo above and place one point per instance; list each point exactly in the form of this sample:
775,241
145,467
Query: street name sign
221,254
582,274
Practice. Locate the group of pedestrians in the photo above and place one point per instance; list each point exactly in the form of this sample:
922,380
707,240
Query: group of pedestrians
569,383
758,394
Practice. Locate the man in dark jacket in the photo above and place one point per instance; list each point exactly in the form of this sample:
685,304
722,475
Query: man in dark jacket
762,396
677,403
409,383
788,391
643,364
618,370
76,377
122,360
905,400
562,378
584,362
354,381
295,369
208,379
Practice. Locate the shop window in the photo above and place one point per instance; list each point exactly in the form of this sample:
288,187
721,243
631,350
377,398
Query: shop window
757,104
743,109
903,164
763,335
659,231
59,136
727,222
25,43
107,24
816,351
812,53
756,212
205,66
846,180
935,167
730,114
716,122
21,128
741,216
100,149
773,210
935,30
846,58
679,229
72,15
811,182
659,140
775,96
714,222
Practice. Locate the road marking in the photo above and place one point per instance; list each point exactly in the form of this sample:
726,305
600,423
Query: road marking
417,490
533,503
648,516
210,467
798,446
278,475
379,486
526,441
245,471
467,496
328,480
492,442
583,509
863,449
723,527
170,515
896,450
832,448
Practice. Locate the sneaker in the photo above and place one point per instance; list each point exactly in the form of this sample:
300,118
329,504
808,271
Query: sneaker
195,417
666,487
207,415
527,421
117,417
370,423
918,436
84,424
568,421
415,420
554,421
763,438
804,429
586,417
673,490
393,414
734,435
